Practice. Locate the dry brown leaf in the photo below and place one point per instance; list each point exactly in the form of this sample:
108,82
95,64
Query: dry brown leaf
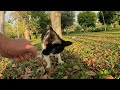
65,56
72,62
69,69
13,65
0,75
108,77
93,60
116,71
108,50
85,60
28,71
48,76
98,54
42,69
76,67
26,76
44,77
91,73
50,70
65,77
33,77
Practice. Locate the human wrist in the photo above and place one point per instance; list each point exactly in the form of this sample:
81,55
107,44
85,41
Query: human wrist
3,40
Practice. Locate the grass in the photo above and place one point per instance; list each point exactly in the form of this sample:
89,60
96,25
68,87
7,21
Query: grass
93,55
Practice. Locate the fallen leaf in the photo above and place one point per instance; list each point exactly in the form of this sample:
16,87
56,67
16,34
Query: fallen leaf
44,77
42,69
0,75
93,60
76,67
72,62
33,77
49,77
65,77
108,77
13,65
65,56
50,70
91,73
69,69
26,76
108,50
85,60
28,71
116,71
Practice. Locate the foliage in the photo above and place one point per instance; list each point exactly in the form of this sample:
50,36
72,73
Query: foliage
109,16
35,20
116,26
39,20
9,30
96,29
78,29
69,29
67,18
87,18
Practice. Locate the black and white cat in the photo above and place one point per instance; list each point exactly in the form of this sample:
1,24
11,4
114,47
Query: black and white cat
52,44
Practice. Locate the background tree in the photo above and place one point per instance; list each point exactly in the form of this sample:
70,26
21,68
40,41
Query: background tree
109,17
10,30
55,17
67,18
39,20
24,15
2,15
16,18
118,16
20,27
87,19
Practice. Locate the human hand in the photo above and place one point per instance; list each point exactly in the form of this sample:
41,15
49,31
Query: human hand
18,49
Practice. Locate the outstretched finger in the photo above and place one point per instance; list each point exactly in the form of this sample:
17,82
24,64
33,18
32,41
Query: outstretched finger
21,58
31,49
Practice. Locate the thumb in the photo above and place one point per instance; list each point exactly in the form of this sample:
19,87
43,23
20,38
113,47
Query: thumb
31,49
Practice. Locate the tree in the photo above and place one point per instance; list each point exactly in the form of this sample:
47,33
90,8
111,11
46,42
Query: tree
39,20
25,17
87,19
2,15
67,18
118,16
55,17
10,31
109,17
103,20
20,28
16,17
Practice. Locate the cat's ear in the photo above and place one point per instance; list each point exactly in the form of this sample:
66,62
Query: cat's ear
51,28
67,43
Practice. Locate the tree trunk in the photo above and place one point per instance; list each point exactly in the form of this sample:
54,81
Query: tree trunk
56,22
17,28
104,20
2,13
26,33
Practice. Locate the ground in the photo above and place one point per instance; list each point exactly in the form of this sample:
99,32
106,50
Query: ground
94,55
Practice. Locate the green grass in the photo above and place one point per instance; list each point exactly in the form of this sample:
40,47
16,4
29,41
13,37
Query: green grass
91,56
